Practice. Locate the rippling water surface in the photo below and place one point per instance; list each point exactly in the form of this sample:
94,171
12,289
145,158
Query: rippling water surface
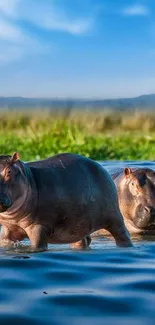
103,285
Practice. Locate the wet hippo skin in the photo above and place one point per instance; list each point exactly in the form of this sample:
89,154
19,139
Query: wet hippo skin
136,194
62,199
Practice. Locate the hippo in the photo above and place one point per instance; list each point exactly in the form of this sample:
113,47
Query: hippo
59,200
136,196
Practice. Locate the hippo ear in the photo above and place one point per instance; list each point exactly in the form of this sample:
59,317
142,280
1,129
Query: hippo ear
127,171
15,157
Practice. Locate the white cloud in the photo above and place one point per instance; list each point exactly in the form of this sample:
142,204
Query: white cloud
53,19
48,16
136,10
45,15
16,42
77,27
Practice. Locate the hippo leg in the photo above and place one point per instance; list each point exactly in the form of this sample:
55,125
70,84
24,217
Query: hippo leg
38,236
81,244
120,233
12,234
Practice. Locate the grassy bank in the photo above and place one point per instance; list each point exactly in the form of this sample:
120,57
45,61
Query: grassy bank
101,136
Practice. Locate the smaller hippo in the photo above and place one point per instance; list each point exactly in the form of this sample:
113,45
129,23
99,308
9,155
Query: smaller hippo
136,195
59,200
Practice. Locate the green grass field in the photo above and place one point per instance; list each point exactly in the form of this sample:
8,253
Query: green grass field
99,135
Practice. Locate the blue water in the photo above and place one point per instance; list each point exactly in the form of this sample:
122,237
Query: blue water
103,285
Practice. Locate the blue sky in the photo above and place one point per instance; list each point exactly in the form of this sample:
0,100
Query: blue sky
77,48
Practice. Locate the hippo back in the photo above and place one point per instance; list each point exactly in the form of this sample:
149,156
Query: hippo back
55,160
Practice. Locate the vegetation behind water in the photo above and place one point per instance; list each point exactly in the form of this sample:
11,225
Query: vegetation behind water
99,135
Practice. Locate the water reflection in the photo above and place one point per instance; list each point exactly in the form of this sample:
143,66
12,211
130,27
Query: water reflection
103,285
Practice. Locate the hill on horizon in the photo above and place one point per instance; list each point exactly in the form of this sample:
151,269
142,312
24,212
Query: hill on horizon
141,102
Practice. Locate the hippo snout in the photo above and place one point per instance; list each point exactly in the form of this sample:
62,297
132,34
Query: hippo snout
144,217
5,202
149,210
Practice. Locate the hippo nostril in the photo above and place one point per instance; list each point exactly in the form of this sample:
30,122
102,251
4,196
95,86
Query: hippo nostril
147,209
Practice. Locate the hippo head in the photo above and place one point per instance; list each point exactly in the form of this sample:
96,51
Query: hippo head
12,180
137,198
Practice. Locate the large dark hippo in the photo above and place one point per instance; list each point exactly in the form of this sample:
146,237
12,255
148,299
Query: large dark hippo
62,199
136,195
